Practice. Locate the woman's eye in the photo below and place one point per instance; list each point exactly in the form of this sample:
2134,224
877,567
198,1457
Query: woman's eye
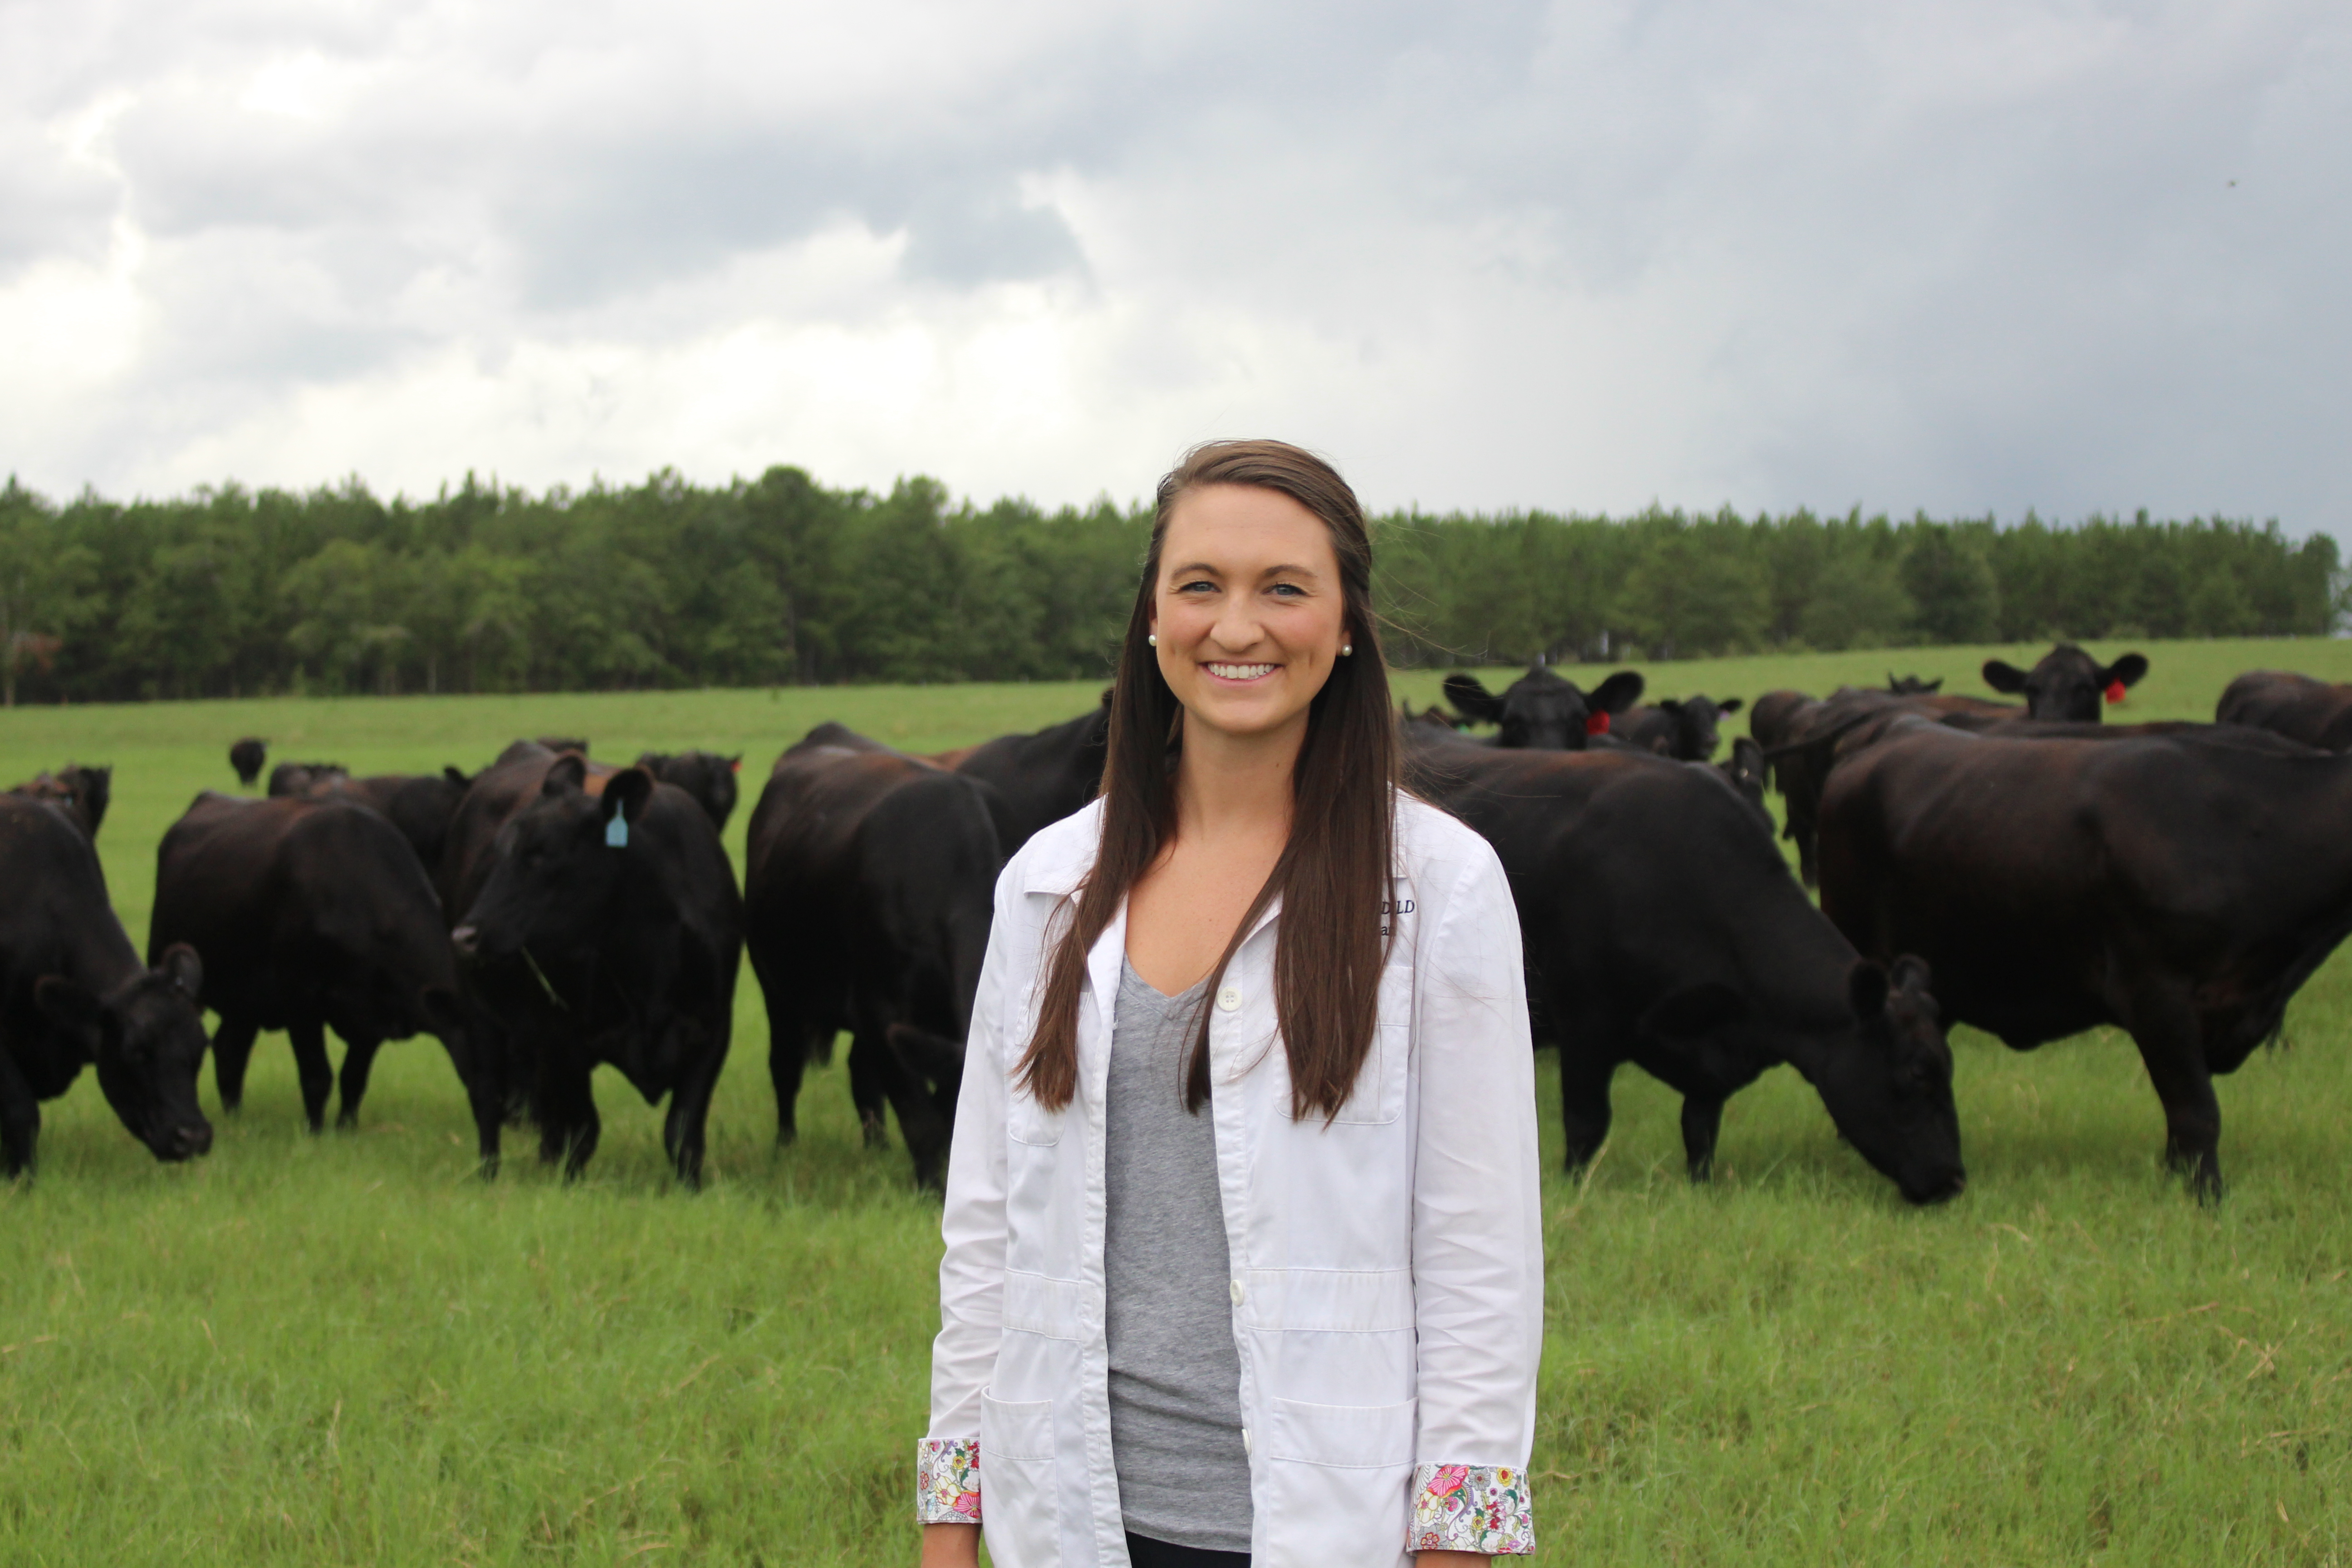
1289,590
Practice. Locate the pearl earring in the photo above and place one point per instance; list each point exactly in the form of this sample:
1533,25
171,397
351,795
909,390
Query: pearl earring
1346,649
1152,639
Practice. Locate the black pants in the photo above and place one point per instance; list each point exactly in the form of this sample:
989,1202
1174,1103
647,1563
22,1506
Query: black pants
1145,1552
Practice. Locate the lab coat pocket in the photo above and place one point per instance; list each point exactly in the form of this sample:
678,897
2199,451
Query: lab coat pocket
1019,1509
1378,1095
1337,1479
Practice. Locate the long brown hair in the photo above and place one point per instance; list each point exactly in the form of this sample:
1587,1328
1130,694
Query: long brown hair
1333,873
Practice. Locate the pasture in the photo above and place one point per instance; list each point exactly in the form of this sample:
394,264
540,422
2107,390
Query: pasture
347,1349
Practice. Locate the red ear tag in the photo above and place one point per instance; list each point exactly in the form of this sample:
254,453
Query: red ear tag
2115,692
1597,723
736,766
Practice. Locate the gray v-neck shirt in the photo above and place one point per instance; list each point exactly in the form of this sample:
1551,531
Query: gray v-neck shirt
1175,1374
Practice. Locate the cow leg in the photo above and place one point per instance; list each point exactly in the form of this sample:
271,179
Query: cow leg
309,1038
689,1111
2164,1030
568,1125
788,1054
1585,1109
232,1050
359,1060
870,1062
484,1092
1702,1121
20,1119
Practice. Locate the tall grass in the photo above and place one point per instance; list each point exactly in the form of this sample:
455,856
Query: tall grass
348,1350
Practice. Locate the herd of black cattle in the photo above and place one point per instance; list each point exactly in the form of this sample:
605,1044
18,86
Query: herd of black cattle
2024,869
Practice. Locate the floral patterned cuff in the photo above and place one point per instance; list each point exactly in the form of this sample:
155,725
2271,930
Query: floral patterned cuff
1472,1508
947,1480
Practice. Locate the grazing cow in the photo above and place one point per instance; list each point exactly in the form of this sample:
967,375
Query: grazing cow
1541,710
709,777
599,922
868,903
2067,684
73,994
313,913
300,778
248,757
1661,928
1912,685
560,744
2312,711
82,794
2179,886
1041,778
1683,729
420,805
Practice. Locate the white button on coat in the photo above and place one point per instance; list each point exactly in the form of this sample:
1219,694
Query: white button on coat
1229,1000
1235,1290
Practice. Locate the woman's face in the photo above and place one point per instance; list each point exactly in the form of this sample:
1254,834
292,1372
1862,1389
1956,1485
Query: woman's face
1248,609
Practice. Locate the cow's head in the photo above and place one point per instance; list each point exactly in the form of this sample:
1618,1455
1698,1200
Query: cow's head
148,1041
2068,684
559,862
1696,720
1540,712
1893,1097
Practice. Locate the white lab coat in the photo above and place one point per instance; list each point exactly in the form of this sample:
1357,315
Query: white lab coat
1387,1268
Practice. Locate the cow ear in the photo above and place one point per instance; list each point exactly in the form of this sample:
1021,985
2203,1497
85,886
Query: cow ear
454,777
2128,669
1672,705
1865,987
569,775
1472,699
626,793
1695,1010
1910,972
64,1004
1729,705
2003,675
1619,693
184,969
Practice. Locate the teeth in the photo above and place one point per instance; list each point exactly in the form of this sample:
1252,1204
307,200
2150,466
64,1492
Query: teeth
1241,671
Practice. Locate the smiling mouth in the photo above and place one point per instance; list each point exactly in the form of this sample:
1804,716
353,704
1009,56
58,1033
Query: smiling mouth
1239,671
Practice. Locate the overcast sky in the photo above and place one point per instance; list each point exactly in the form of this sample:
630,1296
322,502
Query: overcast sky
1970,256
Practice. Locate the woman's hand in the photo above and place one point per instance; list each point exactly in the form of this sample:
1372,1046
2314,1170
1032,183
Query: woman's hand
958,1546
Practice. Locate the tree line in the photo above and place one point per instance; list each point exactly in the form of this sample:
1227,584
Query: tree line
780,580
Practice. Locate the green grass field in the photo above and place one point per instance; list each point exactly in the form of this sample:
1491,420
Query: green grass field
347,1349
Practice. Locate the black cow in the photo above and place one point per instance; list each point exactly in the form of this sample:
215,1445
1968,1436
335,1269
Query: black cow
2180,886
2312,711
1041,778
1682,728
1912,685
1661,928
1746,770
2067,684
300,778
82,794
1543,711
600,924
313,913
709,777
1811,736
248,757
73,994
420,805
558,744
867,904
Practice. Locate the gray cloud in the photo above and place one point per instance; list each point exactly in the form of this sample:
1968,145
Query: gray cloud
1969,256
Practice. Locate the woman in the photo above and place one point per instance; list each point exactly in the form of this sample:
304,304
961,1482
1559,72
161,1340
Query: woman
1244,1262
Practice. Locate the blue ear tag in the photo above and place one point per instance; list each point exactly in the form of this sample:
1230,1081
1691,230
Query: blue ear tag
616,832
